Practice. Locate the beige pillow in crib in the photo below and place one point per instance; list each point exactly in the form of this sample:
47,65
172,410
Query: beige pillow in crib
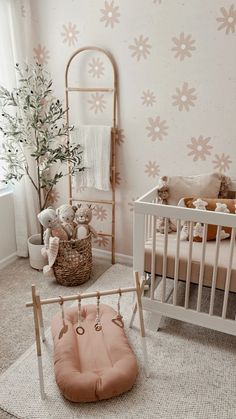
201,185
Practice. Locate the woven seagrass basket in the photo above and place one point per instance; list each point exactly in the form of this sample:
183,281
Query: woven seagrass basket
73,264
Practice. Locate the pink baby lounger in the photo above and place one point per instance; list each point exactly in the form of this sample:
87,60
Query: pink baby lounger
96,365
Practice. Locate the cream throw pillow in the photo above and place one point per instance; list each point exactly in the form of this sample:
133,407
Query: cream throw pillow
200,185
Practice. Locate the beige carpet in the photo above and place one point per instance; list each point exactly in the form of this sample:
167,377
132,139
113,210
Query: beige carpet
16,320
192,374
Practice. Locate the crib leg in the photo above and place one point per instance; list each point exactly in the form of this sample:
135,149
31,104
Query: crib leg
154,321
141,322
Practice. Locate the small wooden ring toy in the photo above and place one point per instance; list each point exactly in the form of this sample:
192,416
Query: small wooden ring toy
98,327
80,330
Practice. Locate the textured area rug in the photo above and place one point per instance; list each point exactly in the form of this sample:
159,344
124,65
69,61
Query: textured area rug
192,373
16,320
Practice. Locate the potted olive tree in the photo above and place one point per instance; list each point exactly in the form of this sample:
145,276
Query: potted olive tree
34,131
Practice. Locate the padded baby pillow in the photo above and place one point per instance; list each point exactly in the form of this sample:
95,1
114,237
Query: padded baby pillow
96,365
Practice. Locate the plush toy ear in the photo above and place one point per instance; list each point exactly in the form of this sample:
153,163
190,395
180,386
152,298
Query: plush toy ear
79,205
89,205
58,211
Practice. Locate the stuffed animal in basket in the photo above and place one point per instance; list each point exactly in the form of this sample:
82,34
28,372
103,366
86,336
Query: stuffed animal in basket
53,228
83,216
50,254
66,215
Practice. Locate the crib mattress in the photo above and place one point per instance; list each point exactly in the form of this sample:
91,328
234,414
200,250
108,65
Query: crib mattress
96,365
196,258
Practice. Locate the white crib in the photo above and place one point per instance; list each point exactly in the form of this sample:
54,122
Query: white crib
174,264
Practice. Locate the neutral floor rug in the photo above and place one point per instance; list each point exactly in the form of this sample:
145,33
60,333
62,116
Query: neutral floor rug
192,373
16,325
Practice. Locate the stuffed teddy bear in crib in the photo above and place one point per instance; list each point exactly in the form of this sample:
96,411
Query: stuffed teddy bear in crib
83,216
163,195
66,215
53,228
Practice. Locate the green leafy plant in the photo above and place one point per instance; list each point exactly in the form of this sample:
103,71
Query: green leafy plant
34,130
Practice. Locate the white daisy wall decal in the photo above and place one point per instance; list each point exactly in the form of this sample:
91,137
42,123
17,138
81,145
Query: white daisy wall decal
101,241
69,34
227,20
53,196
157,128
140,48
41,54
148,98
100,212
222,163
120,136
97,102
199,148
185,97
183,46
152,169
110,14
96,67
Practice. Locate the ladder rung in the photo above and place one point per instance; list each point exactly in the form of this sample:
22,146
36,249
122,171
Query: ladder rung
90,89
103,201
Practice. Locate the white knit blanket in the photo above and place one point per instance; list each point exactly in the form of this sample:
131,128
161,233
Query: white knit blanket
96,144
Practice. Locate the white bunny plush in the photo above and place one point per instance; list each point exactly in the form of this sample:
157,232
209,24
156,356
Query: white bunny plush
221,207
53,228
200,204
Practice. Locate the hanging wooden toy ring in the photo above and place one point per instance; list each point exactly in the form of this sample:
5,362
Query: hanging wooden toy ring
64,328
118,320
79,329
97,325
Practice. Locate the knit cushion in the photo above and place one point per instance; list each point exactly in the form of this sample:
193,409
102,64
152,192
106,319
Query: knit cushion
96,365
210,204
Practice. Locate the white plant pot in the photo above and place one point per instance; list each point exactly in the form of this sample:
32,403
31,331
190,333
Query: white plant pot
37,261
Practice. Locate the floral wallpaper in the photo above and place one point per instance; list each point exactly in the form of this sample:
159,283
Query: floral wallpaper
177,79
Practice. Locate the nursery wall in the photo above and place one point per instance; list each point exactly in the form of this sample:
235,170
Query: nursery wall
7,228
177,78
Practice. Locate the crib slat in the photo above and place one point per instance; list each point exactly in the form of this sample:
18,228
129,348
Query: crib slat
190,248
228,276
215,268
202,265
176,274
151,217
153,264
164,260
146,227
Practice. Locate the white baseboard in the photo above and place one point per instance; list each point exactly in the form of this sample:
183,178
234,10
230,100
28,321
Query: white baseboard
9,259
120,258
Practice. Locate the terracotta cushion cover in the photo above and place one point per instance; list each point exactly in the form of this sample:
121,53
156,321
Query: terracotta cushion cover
211,206
196,259
95,365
